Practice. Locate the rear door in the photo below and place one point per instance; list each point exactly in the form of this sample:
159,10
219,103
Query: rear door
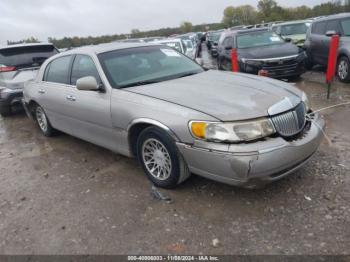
52,92
90,111
332,25
317,45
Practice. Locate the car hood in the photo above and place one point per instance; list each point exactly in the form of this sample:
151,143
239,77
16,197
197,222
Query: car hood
224,95
272,51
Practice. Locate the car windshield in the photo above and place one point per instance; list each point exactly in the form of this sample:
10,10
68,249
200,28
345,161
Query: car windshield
346,26
256,39
26,56
295,29
145,65
214,37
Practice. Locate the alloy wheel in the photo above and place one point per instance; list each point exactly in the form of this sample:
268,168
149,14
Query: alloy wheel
343,69
41,118
156,159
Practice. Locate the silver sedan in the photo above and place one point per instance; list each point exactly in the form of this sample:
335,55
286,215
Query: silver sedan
151,102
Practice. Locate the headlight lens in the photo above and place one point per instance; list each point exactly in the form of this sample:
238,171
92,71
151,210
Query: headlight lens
306,102
232,132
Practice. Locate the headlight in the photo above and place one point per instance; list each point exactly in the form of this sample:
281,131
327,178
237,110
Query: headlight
232,132
306,102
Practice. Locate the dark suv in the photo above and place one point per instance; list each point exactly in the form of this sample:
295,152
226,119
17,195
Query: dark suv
19,64
318,41
261,51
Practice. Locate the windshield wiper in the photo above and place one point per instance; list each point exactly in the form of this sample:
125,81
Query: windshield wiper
140,83
188,74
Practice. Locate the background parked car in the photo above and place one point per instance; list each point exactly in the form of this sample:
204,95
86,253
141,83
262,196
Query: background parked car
261,50
294,30
174,43
213,41
18,64
318,41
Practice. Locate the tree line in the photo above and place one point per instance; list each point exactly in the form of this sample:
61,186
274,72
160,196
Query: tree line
266,11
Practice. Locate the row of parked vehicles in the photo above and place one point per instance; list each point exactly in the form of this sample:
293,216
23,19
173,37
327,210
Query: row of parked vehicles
188,44
285,49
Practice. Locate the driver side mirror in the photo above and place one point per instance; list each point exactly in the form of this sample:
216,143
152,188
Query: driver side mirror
88,83
331,33
288,40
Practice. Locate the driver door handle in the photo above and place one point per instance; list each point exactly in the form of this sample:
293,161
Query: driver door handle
71,98
41,91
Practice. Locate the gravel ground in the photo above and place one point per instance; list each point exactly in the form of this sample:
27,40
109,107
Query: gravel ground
62,195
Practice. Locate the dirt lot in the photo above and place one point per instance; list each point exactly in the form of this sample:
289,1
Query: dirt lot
62,195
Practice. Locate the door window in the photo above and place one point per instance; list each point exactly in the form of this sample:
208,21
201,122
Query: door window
227,42
58,70
83,66
333,25
345,24
319,28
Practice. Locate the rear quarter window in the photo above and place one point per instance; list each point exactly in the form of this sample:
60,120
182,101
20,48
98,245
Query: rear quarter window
57,71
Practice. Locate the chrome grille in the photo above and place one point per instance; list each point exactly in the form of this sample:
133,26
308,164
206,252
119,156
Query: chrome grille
290,123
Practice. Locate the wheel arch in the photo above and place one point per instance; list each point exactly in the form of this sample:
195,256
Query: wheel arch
31,106
136,126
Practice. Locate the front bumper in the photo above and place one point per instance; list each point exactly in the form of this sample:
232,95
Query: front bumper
252,164
296,68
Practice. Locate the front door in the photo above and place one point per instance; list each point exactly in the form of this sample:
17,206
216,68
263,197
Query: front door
90,111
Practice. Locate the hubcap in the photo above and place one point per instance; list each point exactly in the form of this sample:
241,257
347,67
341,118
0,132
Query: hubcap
343,69
156,159
41,117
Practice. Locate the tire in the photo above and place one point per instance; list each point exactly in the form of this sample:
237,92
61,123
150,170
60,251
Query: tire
343,69
157,151
43,121
6,111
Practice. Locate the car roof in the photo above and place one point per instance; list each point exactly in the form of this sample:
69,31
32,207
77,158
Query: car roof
294,22
328,17
245,31
24,45
102,48
167,40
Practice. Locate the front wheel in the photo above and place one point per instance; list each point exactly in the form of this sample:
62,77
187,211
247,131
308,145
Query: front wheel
343,69
43,122
160,159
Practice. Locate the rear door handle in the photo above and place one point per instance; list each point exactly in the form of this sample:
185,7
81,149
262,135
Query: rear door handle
41,91
70,98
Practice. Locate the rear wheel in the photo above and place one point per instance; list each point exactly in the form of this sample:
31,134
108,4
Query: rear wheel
43,122
160,159
343,69
6,111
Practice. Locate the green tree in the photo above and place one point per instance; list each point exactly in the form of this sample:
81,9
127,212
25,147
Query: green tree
186,27
135,31
266,7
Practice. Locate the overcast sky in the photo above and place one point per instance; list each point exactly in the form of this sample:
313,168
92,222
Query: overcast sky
58,18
